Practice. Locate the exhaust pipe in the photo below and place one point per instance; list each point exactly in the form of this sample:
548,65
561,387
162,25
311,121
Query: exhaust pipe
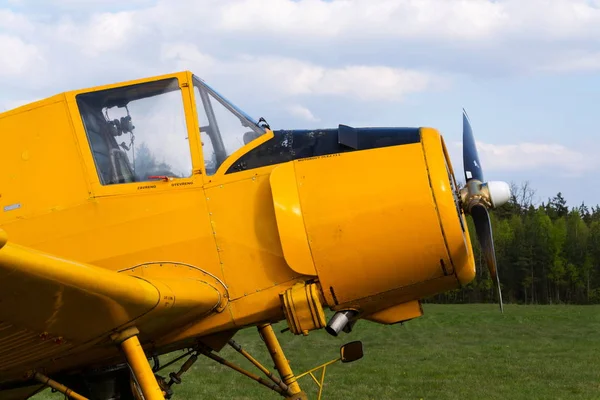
339,321
349,326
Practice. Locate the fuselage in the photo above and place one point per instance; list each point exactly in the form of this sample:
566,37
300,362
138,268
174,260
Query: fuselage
367,215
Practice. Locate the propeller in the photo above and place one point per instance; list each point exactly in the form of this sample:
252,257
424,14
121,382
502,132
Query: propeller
477,197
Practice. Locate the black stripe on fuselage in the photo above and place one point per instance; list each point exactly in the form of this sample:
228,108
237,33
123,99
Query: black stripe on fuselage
289,145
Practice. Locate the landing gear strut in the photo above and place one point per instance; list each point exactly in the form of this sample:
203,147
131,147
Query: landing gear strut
286,386
140,368
281,363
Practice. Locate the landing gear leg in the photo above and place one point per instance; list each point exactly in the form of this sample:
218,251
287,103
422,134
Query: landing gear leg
281,363
139,364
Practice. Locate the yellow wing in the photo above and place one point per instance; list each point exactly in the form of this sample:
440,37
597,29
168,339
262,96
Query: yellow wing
51,308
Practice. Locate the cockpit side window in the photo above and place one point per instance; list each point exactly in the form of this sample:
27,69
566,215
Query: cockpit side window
137,132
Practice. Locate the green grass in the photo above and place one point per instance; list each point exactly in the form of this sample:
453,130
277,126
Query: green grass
452,352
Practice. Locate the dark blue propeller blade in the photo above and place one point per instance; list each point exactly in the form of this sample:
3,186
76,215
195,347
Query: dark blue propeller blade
483,227
479,212
470,156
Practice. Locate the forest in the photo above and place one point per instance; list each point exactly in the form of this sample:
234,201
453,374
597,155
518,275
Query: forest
547,253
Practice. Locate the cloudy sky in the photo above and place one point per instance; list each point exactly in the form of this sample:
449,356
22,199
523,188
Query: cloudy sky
526,71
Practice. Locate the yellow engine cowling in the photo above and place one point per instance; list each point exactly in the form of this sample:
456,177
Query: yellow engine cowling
378,227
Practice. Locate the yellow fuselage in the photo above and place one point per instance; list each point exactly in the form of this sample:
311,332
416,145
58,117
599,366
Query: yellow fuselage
375,229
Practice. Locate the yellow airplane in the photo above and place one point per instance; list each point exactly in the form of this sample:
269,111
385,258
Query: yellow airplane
153,215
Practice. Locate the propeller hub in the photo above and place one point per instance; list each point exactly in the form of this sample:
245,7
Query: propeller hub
491,194
474,193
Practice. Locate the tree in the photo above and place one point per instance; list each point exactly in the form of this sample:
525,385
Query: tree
575,250
585,213
557,267
521,199
593,252
546,254
557,206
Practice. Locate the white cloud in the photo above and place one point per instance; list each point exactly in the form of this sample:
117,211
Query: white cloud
302,112
315,18
574,61
14,22
444,20
18,58
527,36
370,83
187,54
527,157
359,81
97,3
103,33
293,77
364,49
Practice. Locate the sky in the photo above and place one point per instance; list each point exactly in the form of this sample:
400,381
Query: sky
527,72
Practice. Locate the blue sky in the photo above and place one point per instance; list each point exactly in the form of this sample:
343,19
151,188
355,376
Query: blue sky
526,71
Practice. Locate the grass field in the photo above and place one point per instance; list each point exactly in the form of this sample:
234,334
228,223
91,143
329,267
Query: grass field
452,352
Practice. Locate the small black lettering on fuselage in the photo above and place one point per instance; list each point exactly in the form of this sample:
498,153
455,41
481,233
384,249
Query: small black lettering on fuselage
146,187
182,183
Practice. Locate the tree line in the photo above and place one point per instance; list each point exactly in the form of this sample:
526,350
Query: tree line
546,254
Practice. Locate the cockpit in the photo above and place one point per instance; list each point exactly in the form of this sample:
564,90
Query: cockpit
139,133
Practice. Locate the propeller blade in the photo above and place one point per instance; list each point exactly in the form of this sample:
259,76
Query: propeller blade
483,227
470,156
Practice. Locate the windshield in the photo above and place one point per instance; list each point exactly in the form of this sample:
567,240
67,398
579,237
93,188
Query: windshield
224,128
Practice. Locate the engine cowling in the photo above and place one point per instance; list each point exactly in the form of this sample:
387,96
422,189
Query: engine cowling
377,227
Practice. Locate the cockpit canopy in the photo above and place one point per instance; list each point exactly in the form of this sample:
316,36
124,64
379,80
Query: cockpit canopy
139,132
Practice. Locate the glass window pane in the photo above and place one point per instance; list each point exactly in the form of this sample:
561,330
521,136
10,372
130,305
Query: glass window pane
137,132
223,127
